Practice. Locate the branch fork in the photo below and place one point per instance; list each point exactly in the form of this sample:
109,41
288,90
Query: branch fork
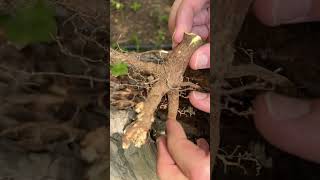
170,75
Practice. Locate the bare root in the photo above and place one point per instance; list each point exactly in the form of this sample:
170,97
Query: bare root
170,80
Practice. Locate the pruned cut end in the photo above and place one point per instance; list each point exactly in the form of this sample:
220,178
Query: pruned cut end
195,39
191,34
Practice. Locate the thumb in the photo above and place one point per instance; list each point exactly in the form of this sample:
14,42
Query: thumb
200,100
291,124
200,59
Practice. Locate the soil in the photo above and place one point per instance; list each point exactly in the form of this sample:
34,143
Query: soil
148,29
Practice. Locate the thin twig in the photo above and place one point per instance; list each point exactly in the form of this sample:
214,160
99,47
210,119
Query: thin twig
253,86
67,52
74,76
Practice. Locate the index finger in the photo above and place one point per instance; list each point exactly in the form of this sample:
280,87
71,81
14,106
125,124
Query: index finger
166,167
185,153
184,17
173,15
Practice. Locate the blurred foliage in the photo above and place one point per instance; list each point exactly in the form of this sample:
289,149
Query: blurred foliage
117,5
135,6
164,18
136,41
119,69
160,38
31,23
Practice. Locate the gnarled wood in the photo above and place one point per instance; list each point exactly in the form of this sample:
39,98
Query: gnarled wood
170,75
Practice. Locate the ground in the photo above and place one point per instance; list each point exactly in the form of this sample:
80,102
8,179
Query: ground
148,29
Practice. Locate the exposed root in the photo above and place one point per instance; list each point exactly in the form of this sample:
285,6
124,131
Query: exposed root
166,78
133,59
38,136
173,102
170,78
187,111
137,132
259,72
236,159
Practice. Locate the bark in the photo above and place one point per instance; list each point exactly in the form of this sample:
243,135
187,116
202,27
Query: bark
170,75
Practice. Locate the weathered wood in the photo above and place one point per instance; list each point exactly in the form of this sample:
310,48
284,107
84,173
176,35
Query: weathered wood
169,81
132,163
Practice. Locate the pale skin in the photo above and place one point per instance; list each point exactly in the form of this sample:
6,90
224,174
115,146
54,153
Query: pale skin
290,124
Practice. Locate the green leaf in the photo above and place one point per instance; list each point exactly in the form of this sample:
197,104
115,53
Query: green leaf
164,18
117,5
119,69
135,6
31,23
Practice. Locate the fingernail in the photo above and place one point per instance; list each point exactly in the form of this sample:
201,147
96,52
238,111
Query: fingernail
174,32
202,61
285,108
199,95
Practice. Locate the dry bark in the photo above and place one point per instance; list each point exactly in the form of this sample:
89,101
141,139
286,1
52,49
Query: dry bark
170,75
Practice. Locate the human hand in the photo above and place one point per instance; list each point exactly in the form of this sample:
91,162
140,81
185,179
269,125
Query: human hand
180,159
291,124
193,16
189,16
277,12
